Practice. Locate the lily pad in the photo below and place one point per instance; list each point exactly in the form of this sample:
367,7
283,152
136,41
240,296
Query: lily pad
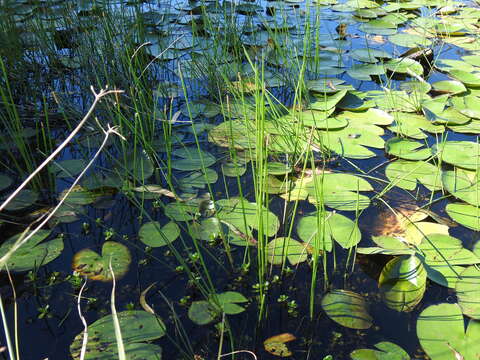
465,154
155,235
282,248
386,351
97,267
468,292
402,283
465,214
347,308
407,149
136,328
33,253
406,174
444,345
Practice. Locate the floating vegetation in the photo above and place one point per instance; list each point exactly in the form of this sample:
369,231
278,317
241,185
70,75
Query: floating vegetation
300,171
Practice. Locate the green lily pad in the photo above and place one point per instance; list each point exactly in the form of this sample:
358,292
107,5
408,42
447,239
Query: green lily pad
136,327
441,249
347,308
463,184
407,149
406,174
465,214
402,283
386,351
465,154
67,168
414,125
282,248
139,165
468,292
5,182
22,200
204,312
33,253
449,86
320,232
97,267
443,345
404,66
155,235
192,159
468,78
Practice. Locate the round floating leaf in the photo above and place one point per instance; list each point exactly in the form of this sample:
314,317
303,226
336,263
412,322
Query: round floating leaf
282,248
139,165
68,168
462,184
407,149
233,170
33,253
402,283
180,211
409,40
207,230
442,249
202,312
465,214
449,86
404,66
441,332
465,154
154,235
405,174
229,302
347,308
276,168
276,345
136,327
22,200
415,232
97,267
468,78
468,292
5,182
386,351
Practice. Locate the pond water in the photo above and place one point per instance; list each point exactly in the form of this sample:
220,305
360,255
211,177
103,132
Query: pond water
271,179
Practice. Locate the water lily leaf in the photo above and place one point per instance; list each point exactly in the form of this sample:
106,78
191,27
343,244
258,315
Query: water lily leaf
22,200
282,248
364,72
465,154
369,55
276,168
67,168
444,274
467,105
339,191
79,196
136,327
139,165
181,211
445,345
465,214
33,253
232,169
202,312
155,235
198,179
314,118
405,174
352,141
369,117
404,66
413,125
463,184
5,182
415,232
386,351
468,292
409,40
324,102
471,79
243,215
347,308
441,248
276,345
449,86
229,302
192,159
407,149
97,267
402,283
207,230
